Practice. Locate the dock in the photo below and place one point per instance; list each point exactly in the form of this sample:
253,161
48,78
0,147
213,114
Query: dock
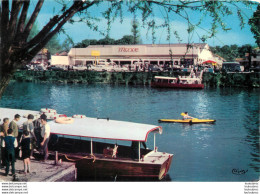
41,172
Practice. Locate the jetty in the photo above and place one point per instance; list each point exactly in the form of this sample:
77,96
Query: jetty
49,171
42,172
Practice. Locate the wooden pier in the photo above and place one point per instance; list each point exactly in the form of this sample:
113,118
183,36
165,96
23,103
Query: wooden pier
41,172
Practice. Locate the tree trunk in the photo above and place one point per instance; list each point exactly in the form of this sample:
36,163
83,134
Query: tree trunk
4,81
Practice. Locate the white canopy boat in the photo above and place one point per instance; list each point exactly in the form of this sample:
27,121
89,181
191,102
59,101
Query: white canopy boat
95,158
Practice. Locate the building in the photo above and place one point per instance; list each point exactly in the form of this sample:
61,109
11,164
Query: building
180,54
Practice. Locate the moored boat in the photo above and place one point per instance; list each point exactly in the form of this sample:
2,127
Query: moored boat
180,82
99,159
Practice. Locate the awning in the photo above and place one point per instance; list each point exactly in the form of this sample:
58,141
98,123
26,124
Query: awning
105,129
209,61
9,113
91,127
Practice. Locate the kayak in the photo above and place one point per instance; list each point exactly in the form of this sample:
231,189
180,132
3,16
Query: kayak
189,121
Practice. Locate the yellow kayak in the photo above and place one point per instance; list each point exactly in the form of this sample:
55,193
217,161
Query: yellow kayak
189,121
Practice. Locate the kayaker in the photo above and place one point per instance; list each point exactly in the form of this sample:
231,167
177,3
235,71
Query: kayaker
186,116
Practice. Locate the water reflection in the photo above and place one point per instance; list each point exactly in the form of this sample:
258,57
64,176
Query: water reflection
251,124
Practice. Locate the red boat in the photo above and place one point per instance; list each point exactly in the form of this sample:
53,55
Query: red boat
180,82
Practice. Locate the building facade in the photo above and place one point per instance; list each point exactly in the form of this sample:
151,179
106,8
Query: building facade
179,54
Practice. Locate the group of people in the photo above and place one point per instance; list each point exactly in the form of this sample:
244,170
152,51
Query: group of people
35,136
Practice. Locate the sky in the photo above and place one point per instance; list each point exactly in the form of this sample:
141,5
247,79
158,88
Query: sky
80,31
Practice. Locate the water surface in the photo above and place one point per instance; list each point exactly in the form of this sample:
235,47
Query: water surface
202,152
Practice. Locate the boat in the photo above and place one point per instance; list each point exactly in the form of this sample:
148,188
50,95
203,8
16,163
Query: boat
180,82
79,142
189,121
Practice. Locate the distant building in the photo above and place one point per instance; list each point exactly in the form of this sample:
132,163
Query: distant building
219,60
42,57
59,60
161,54
255,58
254,62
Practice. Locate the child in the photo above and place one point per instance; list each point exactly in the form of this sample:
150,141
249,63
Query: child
25,145
9,142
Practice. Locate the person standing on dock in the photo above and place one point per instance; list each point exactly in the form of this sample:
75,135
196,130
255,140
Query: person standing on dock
1,139
3,133
10,143
14,126
5,126
37,132
45,133
25,146
28,125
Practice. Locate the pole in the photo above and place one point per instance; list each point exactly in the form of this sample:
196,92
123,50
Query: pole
139,151
154,141
91,147
56,157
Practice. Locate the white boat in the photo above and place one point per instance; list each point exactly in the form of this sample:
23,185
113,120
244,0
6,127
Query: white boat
96,159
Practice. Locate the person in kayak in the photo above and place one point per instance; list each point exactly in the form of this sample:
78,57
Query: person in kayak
186,116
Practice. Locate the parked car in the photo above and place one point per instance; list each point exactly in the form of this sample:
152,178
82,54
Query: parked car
57,68
231,67
255,68
39,67
80,68
155,68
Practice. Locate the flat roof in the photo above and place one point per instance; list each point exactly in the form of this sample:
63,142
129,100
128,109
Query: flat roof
162,77
144,50
105,129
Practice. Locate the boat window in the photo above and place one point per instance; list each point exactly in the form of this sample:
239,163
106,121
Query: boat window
165,81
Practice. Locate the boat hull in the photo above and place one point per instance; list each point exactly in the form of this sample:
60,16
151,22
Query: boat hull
188,121
101,168
154,165
175,85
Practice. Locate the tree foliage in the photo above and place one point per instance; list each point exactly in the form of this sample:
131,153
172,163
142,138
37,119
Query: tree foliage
255,25
231,52
135,31
125,40
17,49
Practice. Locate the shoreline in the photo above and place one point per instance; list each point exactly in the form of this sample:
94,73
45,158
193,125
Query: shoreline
245,79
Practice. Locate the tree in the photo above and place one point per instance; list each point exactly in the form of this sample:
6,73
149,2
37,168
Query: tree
135,31
16,49
54,45
255,25
127,39
67,44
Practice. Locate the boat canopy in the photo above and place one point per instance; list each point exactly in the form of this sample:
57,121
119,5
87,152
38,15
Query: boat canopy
161,77
9,113
189,78
105,129
92,127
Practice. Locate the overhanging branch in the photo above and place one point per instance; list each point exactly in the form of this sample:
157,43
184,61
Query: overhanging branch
31,21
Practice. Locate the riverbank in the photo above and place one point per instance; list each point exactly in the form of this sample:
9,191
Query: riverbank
247,79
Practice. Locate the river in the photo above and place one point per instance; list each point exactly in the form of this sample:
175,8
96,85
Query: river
225,151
